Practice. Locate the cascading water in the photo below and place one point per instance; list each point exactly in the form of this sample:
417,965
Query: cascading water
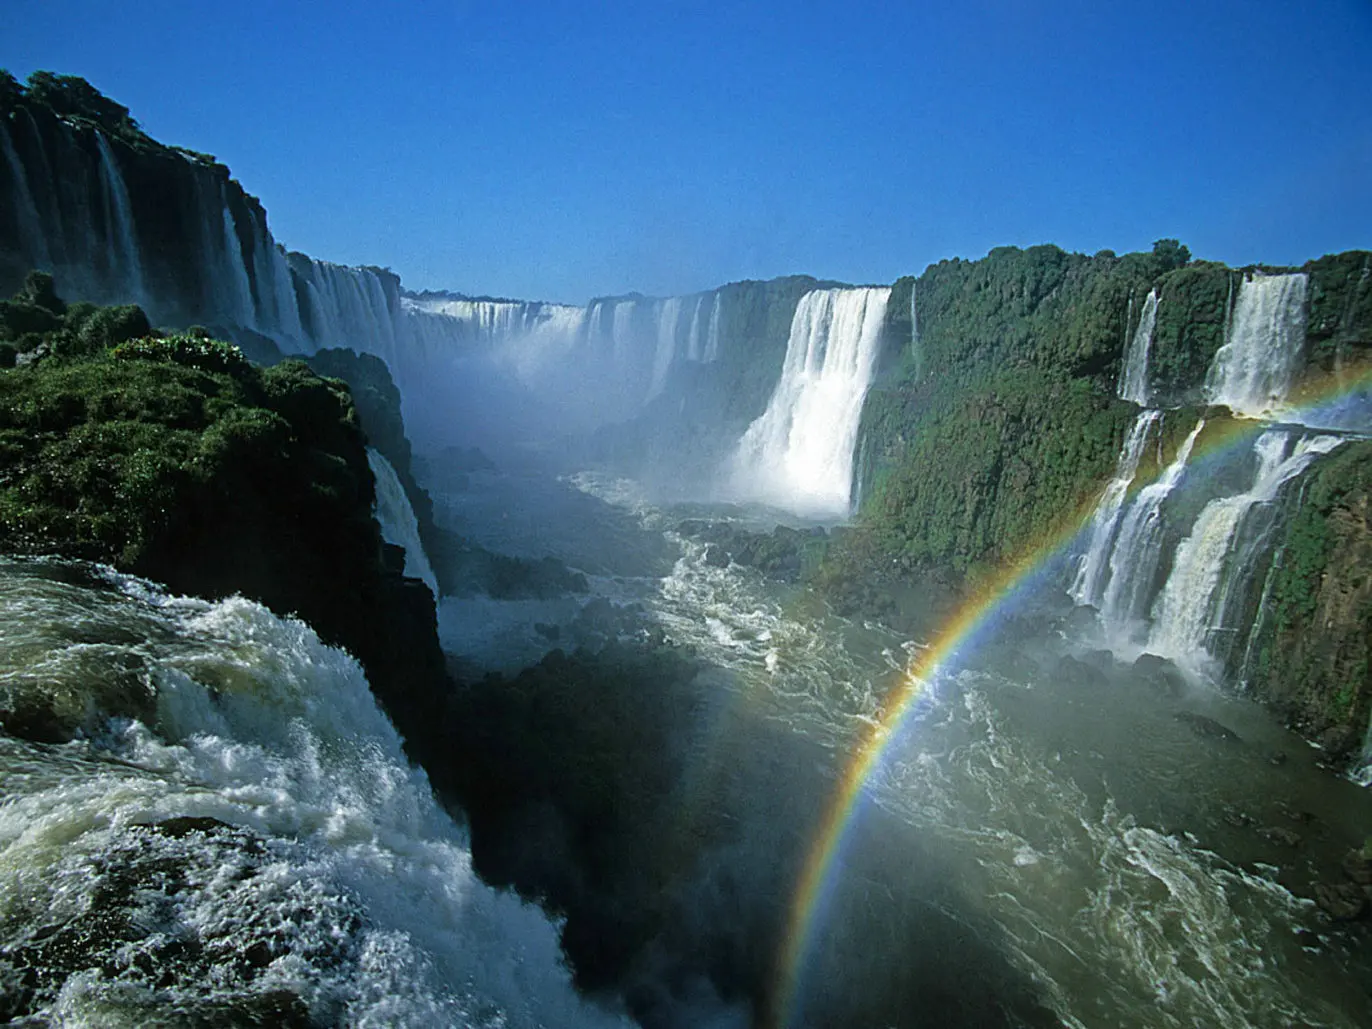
669,314
1189,608
398,522
1252,373
245,844
119,224
1091,572
1134,380
32,237
712,334
1138,549
799,453
235,271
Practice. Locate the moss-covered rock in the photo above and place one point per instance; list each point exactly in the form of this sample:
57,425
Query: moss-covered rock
1314,655
175,459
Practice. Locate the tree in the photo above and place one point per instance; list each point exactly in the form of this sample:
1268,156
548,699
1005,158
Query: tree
71,96
1171,254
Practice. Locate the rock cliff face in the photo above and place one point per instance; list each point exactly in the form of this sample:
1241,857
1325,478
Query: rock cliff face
1006,393
174,459
1313,654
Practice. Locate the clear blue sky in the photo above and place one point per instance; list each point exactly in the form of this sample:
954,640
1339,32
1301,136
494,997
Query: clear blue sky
561,150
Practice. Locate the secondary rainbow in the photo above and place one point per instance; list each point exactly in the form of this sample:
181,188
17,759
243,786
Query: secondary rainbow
973,620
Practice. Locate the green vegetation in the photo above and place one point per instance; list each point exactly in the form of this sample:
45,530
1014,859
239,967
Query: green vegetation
1000,421
1340,296
1314,660
176,459
1193,303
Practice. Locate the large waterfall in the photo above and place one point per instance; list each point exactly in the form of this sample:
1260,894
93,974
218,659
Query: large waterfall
398,522
1181,603
244,842
799,454
1091,572
1190,608
1137,550
1252,372
1134,379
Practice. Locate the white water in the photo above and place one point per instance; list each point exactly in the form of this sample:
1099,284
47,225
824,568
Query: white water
712,333
1189,607
798,454
669,313
398,522
235,271
119,226
1134,381
1137,550
1253,371
1091,572
25,211
1122,920
342,868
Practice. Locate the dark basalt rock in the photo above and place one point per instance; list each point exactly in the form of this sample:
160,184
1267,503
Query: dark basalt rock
1357,865
1343,902
1207,727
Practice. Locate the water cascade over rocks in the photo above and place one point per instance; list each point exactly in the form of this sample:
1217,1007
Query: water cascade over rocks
1176,590
241,841
1134,381
799,454
1204,574
398,522
1252,372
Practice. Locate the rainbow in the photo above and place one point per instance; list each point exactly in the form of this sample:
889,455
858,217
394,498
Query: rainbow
972,623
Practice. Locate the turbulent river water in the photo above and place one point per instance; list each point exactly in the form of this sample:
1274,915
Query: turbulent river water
1143,847
246,844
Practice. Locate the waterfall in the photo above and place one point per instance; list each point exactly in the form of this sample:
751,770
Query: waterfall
257,806
1086,589
1194,598
398,522
235,271
693,348
31,233
712,335
119,224
1138,548
799,453
669,313
621,332
1253,370
1134,378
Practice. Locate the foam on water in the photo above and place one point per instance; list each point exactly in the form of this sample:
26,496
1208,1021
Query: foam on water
335,856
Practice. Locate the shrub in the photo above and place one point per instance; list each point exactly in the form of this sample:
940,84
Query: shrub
211,355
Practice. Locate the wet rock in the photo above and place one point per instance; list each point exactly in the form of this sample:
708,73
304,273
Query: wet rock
1357,865
1207,727
1338,742
1342,902
187,824
1161,674
1079,621
1280,835
1238,819
716,556
1076,673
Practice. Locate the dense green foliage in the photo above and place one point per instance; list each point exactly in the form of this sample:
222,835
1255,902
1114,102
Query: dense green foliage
999,421
175,459
1340,297
1314,660
1193,304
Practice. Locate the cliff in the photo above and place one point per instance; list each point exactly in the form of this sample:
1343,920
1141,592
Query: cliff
175,459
